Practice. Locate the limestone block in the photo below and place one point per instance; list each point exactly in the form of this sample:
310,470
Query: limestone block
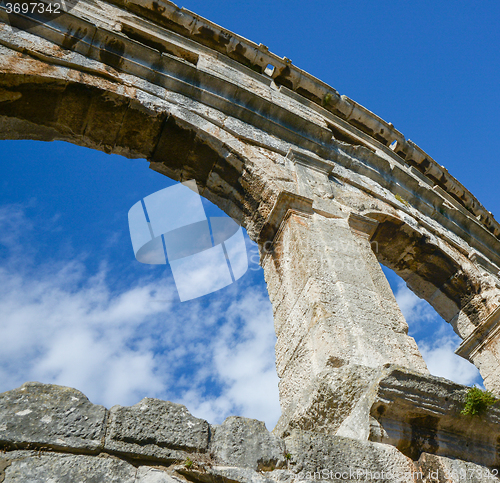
155,429
335,393
246,443
422,414
211,474
146,474
291,384
66,468
339,459
52,416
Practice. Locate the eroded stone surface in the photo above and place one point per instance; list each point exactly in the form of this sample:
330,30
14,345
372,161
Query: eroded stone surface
147,474
424,439
335,394
223,474
67,468
50,415
332,456
438,469
423,414
156,429
246,443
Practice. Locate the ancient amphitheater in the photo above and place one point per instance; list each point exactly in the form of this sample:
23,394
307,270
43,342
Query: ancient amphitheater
329,191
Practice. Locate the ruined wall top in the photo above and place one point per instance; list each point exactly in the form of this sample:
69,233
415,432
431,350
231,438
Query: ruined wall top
349,121
296,82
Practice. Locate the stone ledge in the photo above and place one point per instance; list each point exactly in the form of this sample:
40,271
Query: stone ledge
415,413
156,429
52,416
419,413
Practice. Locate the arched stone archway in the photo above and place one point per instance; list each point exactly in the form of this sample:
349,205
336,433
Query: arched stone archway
314,177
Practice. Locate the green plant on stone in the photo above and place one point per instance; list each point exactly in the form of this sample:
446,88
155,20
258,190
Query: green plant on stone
188,463
327,99
477,402
401,200
288,456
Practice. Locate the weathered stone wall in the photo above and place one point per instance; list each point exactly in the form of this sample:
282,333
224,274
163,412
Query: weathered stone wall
54,434
324,186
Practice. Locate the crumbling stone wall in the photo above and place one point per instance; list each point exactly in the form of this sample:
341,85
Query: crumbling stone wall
54,434
324,186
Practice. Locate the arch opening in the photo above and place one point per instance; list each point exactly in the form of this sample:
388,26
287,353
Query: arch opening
441,275
173,136
435,337
80,311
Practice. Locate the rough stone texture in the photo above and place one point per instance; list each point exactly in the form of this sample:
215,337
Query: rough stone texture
242,450
418,414
51,416
326,188
66,468
335,395
246,443
146,474
223,474
437,469
334,455
156,429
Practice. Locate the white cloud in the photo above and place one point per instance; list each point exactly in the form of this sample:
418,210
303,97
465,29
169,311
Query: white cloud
59,324
442,361
249,381
437,341
416,311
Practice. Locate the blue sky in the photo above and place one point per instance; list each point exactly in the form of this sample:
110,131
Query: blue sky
77,309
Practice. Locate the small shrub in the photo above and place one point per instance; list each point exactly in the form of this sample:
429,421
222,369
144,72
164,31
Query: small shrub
288,456
477,402
188,463
401,200
327,99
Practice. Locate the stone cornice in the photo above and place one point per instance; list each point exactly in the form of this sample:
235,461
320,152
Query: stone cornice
185,64
258,57
286,204
481,336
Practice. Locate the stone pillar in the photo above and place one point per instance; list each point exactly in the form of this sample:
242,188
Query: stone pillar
482,348
336,318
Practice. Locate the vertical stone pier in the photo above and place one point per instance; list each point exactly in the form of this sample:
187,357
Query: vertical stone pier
336,318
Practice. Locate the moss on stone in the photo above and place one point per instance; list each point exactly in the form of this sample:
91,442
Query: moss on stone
477,402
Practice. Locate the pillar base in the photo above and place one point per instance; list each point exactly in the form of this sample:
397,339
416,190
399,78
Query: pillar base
414,412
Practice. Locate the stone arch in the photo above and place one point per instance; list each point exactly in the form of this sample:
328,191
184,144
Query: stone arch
178,144
462,291
432,271
302,168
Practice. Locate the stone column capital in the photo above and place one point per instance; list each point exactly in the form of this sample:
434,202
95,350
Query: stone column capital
483,334
362,225
286,203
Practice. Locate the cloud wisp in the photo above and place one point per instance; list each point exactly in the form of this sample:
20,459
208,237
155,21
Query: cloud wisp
61,324
435,338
